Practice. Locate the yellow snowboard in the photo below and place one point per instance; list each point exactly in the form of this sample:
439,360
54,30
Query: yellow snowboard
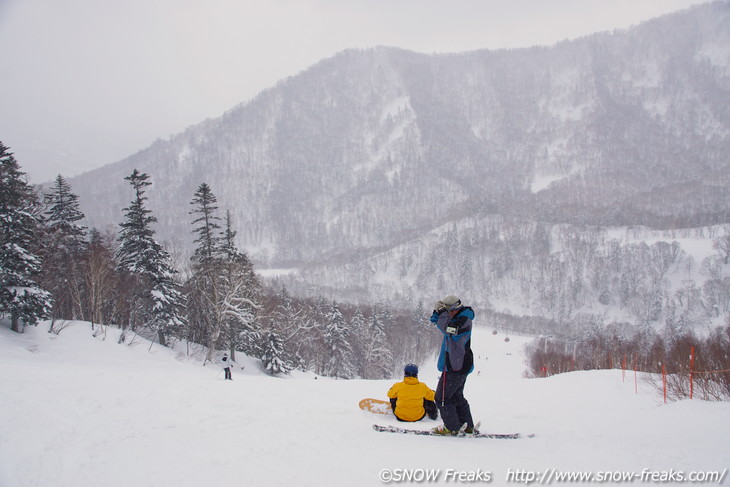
376,406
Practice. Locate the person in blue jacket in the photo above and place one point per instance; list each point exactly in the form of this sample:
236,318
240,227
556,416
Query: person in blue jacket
456,361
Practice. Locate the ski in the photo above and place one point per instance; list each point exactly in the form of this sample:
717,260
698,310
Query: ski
406,431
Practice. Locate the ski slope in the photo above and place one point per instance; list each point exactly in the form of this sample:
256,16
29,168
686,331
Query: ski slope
79,411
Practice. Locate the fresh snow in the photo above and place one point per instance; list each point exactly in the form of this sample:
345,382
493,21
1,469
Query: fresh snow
82,411
272,273
395,107
542,182
716,54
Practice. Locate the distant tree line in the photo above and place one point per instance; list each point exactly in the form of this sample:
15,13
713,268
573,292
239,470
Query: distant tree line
536,279
51,266
597,345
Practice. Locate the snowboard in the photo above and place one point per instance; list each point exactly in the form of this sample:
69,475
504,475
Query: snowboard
376,406
493,436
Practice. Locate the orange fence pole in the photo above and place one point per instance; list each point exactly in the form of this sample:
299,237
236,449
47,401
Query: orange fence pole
691,371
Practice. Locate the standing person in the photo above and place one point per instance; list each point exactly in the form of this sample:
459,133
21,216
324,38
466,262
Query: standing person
226,364
456,361
411,400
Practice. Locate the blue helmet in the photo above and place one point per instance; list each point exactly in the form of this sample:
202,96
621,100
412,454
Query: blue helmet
411,370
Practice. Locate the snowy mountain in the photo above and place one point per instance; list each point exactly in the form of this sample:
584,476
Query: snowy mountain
383,152
84,411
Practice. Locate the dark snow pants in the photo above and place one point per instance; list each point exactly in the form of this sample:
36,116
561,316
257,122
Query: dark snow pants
227,370
451,402
431,410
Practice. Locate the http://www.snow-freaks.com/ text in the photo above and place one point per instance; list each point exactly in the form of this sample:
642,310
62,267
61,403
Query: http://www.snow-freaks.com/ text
549,476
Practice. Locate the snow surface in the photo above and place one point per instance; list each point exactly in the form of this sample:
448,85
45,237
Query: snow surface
542,182
85,412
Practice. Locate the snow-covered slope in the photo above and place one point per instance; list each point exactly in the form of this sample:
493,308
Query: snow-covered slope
82,412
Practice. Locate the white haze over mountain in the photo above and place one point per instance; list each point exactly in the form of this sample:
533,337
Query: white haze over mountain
88,83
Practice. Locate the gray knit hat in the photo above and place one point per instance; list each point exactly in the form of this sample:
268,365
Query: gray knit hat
451,302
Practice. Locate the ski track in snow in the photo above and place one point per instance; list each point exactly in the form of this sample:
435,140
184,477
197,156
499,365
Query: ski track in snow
85,412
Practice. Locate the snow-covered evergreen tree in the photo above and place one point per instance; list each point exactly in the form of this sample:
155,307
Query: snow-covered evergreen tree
286,321
64,252
136,237
314,348
223,290
359,331
157,297
274,356
208,226
378,356
168,302
337,345
63,215
20,295
203,286
283,316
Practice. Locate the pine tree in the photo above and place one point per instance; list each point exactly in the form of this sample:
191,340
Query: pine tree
283,316
223,290
228,242
64,250
378,357
157,297
20,295
290,321
167,317
63,215
360,333
274,356
337,343
317,347
203,287
136,238
208,227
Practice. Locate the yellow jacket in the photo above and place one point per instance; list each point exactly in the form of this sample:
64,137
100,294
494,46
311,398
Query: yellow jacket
409,396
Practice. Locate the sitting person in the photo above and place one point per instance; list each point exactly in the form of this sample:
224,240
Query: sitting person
411,400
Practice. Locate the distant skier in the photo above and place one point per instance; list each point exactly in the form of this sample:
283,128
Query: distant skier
226,364
456,361
412,400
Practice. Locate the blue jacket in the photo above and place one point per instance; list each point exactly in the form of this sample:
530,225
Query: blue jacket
456,354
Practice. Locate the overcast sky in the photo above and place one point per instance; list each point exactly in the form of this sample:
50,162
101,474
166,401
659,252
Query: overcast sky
88,82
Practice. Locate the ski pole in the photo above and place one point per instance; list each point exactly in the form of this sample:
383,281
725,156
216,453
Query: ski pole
443,388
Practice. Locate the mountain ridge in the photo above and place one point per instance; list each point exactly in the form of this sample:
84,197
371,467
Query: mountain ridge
370,149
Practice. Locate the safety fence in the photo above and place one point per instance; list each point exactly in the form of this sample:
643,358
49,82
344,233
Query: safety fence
675,375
